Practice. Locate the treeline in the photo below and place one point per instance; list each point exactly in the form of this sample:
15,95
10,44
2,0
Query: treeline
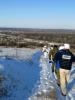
53,37
18,39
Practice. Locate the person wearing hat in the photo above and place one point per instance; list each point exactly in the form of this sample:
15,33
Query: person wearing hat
65,59
45,51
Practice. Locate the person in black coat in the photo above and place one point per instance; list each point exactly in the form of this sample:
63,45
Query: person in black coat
57,65
65,58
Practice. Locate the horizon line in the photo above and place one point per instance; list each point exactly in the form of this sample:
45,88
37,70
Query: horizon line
37,28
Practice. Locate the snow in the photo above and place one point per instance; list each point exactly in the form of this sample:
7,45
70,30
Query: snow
19,53
48,83
71,85
20,76
27,75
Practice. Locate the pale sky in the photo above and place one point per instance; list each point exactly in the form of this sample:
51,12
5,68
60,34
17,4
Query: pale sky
54,14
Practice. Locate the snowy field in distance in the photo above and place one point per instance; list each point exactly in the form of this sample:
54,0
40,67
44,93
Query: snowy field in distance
19,53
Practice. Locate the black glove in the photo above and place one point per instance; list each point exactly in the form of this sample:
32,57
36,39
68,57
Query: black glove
52,70
50,61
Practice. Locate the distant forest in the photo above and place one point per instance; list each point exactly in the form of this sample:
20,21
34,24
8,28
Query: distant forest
17,36
53,37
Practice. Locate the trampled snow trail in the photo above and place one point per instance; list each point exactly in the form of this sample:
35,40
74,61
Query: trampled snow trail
48,83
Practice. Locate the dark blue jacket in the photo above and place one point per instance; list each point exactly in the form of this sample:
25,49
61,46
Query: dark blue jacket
65,58
57,65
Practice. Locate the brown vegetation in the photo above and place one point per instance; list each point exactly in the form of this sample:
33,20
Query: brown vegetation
17,37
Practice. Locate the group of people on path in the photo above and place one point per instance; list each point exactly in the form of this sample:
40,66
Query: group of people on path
61,58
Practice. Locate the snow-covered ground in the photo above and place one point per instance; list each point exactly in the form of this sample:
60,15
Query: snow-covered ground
48,84
19,76
19,53
26,75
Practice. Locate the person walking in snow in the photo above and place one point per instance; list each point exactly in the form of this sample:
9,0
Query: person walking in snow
57,65
45,51
65,59
51,56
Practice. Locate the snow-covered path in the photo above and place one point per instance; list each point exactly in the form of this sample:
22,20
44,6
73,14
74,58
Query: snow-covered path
48,83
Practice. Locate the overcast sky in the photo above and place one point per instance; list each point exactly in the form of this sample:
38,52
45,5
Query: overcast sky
38,13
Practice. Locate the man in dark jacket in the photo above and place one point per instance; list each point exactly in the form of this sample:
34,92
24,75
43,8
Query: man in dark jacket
65,58
57,65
